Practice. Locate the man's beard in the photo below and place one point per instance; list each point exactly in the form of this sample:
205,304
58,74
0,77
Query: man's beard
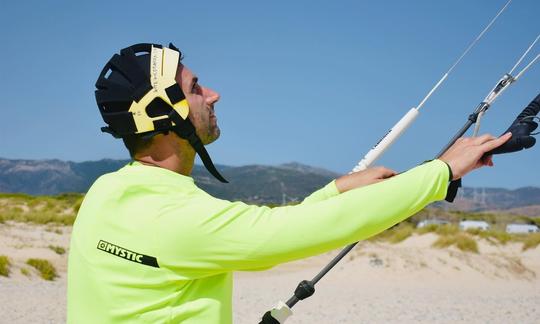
212,135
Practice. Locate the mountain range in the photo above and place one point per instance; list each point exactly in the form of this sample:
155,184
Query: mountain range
259,184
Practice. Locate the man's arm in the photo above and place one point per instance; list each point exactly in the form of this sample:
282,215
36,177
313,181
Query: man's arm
225,236
350,181
328,191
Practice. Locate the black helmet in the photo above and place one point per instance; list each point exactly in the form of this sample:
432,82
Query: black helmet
137,93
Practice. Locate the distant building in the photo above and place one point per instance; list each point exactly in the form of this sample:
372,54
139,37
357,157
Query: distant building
427,222
470,224
521,228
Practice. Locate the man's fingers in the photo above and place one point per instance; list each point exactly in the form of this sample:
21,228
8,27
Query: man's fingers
483,139
387,173
493,144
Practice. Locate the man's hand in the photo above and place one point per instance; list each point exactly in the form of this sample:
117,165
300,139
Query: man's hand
363,178
467,152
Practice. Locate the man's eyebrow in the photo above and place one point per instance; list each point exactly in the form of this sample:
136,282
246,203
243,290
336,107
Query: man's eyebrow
194,80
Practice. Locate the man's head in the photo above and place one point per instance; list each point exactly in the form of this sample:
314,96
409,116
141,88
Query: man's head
146,92
201,101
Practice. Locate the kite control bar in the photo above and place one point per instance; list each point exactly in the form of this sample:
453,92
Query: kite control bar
521,129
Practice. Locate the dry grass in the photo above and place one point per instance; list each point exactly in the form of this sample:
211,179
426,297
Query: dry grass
25,272
400,234
58,249
462,241
60,209
395,234
45,268
493,236
427,229
4,265
447,230
531,241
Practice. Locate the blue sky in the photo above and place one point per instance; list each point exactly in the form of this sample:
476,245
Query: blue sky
318,82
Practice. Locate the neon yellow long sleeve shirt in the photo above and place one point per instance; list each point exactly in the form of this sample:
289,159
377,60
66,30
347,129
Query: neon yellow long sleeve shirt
149,246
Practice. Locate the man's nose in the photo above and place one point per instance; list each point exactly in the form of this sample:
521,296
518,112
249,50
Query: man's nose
211,95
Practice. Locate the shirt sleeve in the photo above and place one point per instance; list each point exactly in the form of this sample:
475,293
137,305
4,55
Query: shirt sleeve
328,191
213,235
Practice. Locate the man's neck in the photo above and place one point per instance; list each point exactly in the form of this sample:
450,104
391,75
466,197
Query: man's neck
180,160
182,168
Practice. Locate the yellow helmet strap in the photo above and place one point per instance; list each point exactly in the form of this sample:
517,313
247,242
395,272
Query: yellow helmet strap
137,94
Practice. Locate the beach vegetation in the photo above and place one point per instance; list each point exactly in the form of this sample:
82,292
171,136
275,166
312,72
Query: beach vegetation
430,228
58,209
44,267
462,241
492,236
25,272
444,241
531,241
57,249
5,264
394,234
447,229
466,243
400,234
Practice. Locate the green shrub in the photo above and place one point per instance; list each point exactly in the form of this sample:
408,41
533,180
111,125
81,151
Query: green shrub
474,231
15,195
444,241
78,204
45,268
400,234
4,265
500,236
60,209
394,234
25,272
428,229
58,249
466,243
447,229
531,241
382,236
536,221
461,241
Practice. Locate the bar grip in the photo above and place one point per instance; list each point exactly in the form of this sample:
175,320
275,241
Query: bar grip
521,129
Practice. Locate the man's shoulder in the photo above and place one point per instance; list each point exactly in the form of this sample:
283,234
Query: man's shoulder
140,178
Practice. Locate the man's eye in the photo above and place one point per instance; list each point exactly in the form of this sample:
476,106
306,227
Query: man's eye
195,87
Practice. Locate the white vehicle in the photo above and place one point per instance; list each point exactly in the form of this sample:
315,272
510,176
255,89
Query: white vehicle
471,224
427,222
521,228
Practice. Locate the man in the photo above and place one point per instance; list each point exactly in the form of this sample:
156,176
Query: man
149,246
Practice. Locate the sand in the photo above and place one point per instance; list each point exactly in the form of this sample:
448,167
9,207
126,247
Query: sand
409,282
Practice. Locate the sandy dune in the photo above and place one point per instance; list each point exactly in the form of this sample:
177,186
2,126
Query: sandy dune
410,282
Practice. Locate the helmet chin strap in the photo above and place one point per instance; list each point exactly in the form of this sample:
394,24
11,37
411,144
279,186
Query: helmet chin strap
185,129
133,101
